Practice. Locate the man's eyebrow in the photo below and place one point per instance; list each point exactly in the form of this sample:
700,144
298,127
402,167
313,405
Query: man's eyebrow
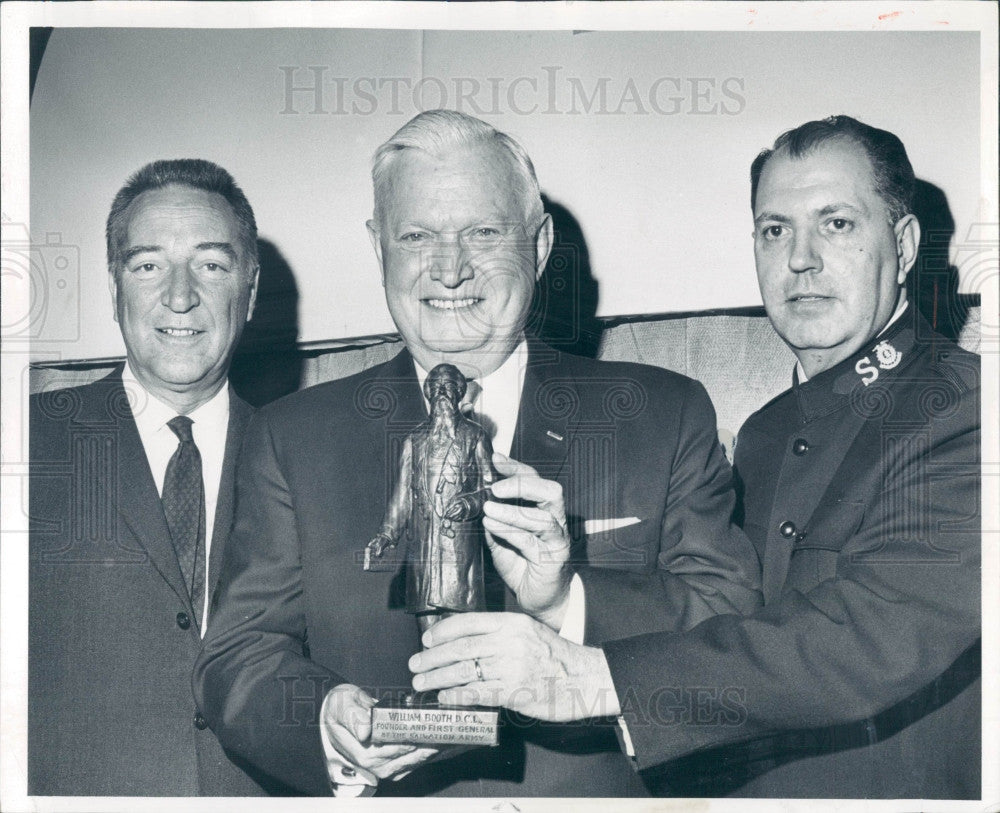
772,216
225,248
837,207
829,209
134,250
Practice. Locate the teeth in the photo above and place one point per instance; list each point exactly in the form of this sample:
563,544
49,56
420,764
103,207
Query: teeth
178,331
451,304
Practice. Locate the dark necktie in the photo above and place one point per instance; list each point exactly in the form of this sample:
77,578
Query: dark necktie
467,406
184,506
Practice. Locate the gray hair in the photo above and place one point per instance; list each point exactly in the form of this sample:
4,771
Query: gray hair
438,132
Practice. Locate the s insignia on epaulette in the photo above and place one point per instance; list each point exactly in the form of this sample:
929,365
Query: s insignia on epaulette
865,369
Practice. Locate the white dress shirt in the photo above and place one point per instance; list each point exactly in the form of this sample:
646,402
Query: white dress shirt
210,423
499,401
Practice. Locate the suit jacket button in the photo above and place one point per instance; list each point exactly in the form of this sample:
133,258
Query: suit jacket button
800,446
200,722
787,529
183,621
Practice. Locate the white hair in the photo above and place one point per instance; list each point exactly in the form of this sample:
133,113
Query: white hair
439,132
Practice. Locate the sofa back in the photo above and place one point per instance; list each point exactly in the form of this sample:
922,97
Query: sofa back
738,357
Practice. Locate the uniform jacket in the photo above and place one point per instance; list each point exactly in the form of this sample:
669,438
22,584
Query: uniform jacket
112,635
298,615
859,677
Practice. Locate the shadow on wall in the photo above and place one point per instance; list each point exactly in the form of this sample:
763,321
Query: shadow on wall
38,39
565,304
267,363
933,282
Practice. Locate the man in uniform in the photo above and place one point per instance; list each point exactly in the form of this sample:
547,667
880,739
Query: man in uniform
859,678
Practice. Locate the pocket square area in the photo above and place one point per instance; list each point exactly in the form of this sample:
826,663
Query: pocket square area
597,526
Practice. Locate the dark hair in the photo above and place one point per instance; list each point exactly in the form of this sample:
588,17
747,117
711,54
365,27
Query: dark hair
193,172
891,169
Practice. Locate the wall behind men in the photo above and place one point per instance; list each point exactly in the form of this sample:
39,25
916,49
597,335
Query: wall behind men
642,140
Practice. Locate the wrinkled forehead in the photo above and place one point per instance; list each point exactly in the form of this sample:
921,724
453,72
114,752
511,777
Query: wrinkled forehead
177,209
481,178
177,201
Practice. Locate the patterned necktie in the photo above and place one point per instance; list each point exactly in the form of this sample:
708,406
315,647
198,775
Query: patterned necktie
184,506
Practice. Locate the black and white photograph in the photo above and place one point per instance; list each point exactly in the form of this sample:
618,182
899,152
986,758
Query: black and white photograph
503,407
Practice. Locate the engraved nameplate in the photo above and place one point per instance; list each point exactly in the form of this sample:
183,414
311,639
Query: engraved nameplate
434,725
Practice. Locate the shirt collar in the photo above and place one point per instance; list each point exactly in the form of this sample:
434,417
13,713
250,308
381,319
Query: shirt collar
508,377
151,414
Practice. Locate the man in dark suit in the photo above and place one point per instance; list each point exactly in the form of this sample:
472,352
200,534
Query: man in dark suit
305,641
859,678
132,500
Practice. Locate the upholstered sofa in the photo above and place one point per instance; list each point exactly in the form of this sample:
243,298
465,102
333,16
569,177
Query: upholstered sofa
736,355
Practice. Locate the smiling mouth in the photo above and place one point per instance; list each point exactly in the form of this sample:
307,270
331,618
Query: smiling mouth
179,332
452,304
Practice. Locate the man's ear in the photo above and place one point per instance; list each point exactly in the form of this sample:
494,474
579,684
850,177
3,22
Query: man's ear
113,287
907,231
373,235
254,287
543,245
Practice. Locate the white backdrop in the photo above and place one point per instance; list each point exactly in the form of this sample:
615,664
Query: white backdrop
644,137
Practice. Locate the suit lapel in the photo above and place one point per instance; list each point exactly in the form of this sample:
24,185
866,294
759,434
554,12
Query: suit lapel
401,378
548,404
390,398
139,504
239,416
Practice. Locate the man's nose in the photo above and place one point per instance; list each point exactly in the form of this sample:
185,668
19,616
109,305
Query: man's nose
450,263
180,294
805,254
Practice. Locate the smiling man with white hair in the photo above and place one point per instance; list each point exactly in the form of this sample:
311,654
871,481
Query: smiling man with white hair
616,465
